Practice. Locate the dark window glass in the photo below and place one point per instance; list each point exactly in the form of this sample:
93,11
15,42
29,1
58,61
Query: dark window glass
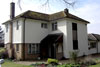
17,26
43,25
54,26
33,48
17,47
7,28
75,44
93,45
74,26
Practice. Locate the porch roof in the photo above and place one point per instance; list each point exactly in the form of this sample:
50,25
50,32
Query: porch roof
52,38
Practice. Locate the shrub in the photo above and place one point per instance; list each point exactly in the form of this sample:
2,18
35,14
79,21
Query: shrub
3,53
69,65
89,61
52,61
73,56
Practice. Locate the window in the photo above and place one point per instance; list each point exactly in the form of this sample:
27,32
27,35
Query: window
17,26
54,26
92,44
17,47
43,25
7,28
75,44
33,48
74,26
74,34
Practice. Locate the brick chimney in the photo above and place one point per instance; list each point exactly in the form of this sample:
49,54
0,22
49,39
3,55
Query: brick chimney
12,15
66,11
12,10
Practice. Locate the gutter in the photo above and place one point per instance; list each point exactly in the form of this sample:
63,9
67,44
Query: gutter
23,44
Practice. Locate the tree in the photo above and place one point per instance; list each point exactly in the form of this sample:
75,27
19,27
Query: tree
47,2
1,37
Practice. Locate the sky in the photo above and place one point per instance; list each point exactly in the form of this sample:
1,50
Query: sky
86,9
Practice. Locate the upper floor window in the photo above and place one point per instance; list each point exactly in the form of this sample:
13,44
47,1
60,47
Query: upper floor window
43,25
54,26
74,26
6,27
17,25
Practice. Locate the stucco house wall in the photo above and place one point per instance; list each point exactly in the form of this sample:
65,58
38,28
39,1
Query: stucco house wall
65,27
6,38
99,46
33,31
17,33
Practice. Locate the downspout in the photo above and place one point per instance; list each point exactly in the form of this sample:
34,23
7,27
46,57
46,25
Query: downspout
10,40
23,45
97,45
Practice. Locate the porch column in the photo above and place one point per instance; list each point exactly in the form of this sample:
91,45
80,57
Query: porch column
54,50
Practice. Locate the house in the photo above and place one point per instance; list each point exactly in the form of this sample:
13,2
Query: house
94,43
33,35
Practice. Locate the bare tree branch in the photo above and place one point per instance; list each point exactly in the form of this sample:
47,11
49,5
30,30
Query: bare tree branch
47,3
19,4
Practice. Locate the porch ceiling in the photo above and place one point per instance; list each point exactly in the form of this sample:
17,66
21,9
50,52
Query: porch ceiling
52,38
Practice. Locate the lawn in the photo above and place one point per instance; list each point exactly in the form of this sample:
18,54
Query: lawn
8,63
97,65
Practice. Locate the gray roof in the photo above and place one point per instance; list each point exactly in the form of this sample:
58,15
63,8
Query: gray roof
94,37
47,17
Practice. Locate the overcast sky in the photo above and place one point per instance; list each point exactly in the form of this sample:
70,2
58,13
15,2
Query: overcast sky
86,9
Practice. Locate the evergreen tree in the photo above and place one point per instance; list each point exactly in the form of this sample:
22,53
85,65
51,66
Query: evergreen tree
1,35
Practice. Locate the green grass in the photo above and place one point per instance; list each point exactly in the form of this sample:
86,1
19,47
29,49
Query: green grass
97,65
12,64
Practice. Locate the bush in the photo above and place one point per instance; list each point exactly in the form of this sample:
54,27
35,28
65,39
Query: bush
90,63
3,53
69,65
52,61
73,56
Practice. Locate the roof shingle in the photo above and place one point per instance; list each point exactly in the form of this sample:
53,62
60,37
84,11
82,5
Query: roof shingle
47,17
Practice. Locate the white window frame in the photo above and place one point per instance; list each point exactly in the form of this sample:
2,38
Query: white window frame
44,25
33,48
17,47
17,25
6,27
93,44
54,26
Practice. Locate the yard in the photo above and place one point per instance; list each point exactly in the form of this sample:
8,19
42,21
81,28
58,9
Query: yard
97,65
8,63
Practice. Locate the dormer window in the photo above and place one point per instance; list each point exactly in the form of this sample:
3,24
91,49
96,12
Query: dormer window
54,26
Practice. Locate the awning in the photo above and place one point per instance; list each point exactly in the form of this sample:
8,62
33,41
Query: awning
52,38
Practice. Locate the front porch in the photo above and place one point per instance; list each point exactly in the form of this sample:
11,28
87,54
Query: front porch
52,46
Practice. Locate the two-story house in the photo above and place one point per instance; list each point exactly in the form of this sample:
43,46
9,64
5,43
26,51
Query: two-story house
31,35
